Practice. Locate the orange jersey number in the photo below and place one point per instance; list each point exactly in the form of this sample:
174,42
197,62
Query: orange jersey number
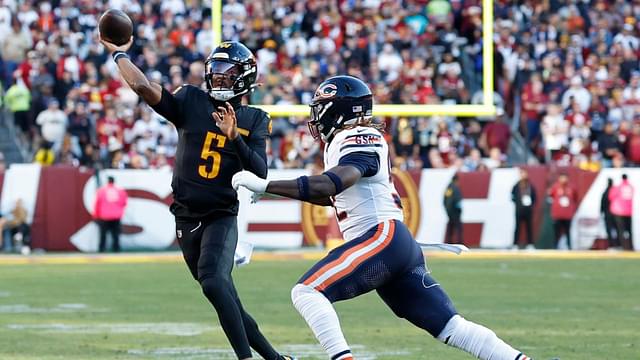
207,153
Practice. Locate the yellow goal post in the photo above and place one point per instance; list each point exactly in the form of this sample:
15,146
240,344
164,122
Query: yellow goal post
487,108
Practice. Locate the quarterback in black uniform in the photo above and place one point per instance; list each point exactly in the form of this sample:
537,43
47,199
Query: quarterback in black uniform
218,137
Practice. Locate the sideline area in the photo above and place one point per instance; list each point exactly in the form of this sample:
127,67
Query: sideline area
175,256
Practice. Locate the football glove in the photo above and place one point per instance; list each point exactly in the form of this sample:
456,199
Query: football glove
250,181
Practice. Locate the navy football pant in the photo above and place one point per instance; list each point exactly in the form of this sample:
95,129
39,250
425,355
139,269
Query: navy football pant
386,259
208,248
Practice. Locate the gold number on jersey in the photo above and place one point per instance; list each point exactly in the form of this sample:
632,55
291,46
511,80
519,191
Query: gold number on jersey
207,153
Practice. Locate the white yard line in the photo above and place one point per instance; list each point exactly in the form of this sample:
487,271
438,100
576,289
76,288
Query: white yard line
176,329
60,308
302,351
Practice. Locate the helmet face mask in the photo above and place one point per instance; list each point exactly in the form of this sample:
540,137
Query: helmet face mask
230,71
223,75
319,121
222,79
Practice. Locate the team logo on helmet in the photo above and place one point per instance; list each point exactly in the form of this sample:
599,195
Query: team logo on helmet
327,91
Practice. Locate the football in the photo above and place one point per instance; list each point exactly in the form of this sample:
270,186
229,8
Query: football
115,27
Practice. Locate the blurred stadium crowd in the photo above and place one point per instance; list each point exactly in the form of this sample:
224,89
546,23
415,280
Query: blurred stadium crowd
567,76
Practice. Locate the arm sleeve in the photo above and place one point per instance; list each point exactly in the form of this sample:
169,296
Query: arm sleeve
253,154
171,105
367,163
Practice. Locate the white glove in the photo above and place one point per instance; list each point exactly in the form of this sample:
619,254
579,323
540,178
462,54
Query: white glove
250,181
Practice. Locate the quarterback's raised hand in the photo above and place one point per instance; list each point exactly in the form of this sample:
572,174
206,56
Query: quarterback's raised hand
111,47
250,181
225,119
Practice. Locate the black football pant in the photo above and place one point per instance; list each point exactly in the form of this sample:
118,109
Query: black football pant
112,227
208,248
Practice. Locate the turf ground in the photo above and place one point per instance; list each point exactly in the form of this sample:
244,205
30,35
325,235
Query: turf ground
549,308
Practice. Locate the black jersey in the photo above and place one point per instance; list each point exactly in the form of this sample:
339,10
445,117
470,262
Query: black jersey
206,160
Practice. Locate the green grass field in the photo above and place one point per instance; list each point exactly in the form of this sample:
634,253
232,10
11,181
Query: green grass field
565,309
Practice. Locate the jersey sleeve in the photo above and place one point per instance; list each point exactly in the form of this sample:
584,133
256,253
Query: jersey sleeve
253,152
171,105
368,163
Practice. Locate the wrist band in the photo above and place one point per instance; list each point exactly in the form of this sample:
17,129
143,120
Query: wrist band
336,181
303,187
119,54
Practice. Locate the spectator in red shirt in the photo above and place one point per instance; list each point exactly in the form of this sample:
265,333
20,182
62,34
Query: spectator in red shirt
534,103
496,134
69,63
564,201
110,127
575,115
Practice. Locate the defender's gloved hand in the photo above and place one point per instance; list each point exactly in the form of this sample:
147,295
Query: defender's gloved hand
250,181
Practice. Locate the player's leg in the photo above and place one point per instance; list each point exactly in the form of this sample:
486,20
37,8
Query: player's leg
217,248
346,272
189,234
417,297
256,339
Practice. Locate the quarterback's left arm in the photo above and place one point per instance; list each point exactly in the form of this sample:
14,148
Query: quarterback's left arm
253,154
350,169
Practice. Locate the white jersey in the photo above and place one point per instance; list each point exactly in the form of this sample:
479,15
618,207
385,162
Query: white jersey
371,200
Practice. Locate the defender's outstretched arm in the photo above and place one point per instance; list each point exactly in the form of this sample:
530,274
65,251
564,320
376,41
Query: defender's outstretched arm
315,189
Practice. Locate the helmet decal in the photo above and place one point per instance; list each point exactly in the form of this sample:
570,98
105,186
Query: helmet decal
327,91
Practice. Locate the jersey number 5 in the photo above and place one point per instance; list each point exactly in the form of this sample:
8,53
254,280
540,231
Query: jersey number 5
207,153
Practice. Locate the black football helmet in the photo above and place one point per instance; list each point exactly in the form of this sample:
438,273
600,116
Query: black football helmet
339,101
230,71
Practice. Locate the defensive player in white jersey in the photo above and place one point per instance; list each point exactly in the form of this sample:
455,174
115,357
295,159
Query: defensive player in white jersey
380,253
